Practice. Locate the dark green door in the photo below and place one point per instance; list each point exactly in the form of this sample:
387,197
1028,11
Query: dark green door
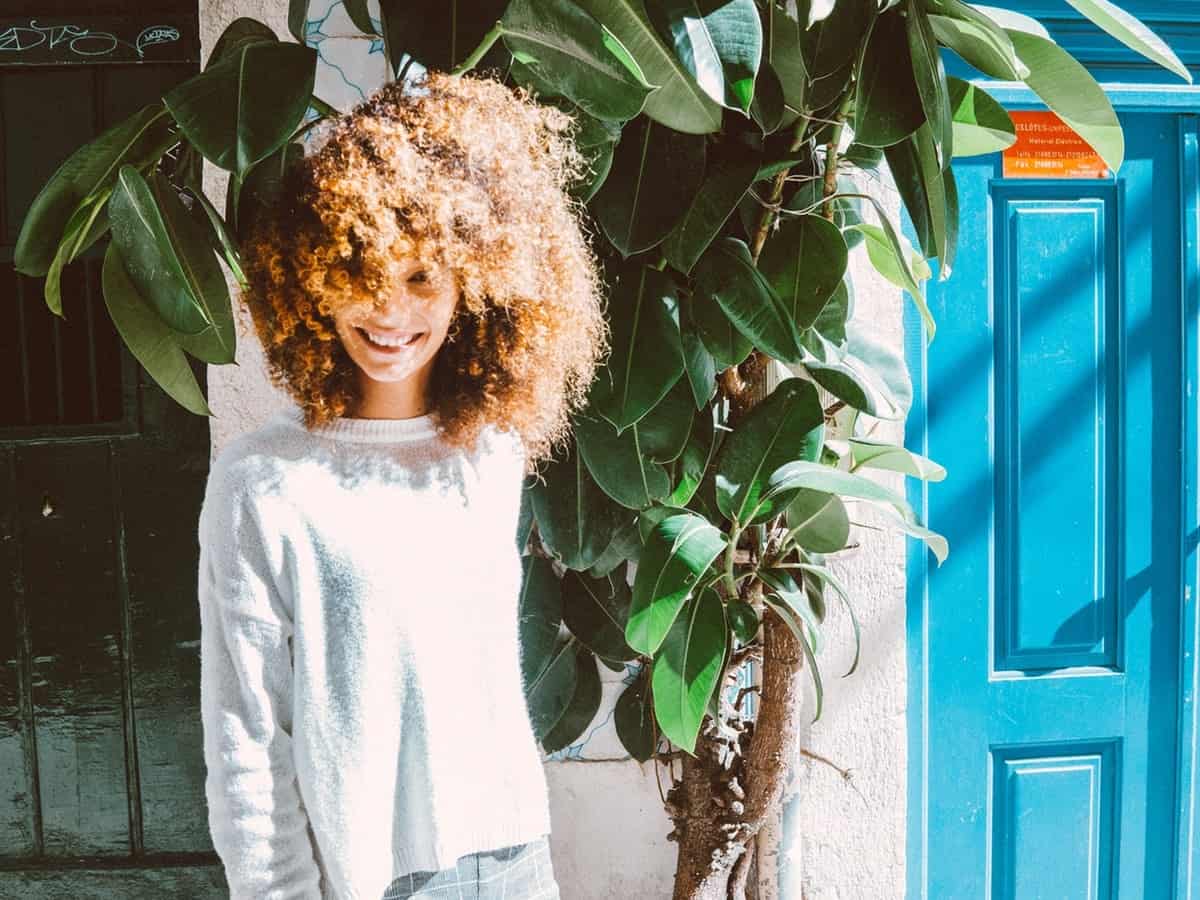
101,477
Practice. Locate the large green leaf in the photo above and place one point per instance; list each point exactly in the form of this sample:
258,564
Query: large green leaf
819,521
918,175
804,261
831,46
831,324
577,55
358,12
663,432
976,38
596,139
549,671
618,465
549,694
713,708
246,106
633,717
950,250
148,337
582,708
539,613
893,258
1070,90
768,108
865,375
887,104
743,620
1010,19
575,518
628,466
981,125
90,170
693,462
646,356
260,188
719,44
853,381
783,483
297,19
722,339
882,368
698,363
242,32
713,204
787,425
626,545
677,102
936,543
678,550
786,57
167,255
86,225
875,454
825,578
727,274
931,80
654,177
219,237
597,610
783,585
688,668
439,35
524,522
1133,33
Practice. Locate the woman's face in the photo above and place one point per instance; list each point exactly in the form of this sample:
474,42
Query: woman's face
414,322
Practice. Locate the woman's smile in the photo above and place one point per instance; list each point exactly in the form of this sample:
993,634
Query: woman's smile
391,344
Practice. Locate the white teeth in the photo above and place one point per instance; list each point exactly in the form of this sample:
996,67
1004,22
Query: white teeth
389,342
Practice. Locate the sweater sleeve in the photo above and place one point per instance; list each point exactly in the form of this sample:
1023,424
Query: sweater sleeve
259,827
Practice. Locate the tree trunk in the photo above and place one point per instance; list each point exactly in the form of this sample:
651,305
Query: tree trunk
736,779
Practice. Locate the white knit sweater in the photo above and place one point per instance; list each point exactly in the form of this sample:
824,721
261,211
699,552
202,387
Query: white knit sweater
361,692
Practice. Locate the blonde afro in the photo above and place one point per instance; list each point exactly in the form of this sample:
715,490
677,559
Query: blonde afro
461,172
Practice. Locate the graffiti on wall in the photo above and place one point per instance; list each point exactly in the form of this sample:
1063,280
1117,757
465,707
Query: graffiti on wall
32,41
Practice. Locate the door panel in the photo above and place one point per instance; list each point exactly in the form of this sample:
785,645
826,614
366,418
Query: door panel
101,480
1053,662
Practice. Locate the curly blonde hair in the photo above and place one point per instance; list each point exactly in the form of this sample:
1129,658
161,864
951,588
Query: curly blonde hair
461,172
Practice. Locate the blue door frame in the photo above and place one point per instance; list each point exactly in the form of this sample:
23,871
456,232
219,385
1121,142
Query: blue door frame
1127,97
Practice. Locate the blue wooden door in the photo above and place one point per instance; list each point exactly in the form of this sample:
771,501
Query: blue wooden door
1051,687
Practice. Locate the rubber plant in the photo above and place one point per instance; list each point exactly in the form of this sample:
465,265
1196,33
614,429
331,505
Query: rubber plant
728,145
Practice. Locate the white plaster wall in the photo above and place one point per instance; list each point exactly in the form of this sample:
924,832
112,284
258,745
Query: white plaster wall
609,828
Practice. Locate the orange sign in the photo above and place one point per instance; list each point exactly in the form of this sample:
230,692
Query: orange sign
1047,147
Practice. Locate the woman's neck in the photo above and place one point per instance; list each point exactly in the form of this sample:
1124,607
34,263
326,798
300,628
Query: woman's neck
392,399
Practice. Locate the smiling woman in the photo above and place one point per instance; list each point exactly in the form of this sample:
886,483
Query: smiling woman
421,281
394,341
440,209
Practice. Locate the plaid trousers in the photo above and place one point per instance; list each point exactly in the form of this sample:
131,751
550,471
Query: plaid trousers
519,872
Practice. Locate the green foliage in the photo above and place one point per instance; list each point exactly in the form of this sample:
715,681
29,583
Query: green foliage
247,104
724,143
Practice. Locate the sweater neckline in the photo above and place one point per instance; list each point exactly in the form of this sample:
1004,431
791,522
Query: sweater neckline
367,431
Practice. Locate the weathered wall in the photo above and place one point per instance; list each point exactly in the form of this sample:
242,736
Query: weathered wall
609,828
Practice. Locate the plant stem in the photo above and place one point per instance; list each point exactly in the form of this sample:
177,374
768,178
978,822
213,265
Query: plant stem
764,222
735,532
477,54
831,154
